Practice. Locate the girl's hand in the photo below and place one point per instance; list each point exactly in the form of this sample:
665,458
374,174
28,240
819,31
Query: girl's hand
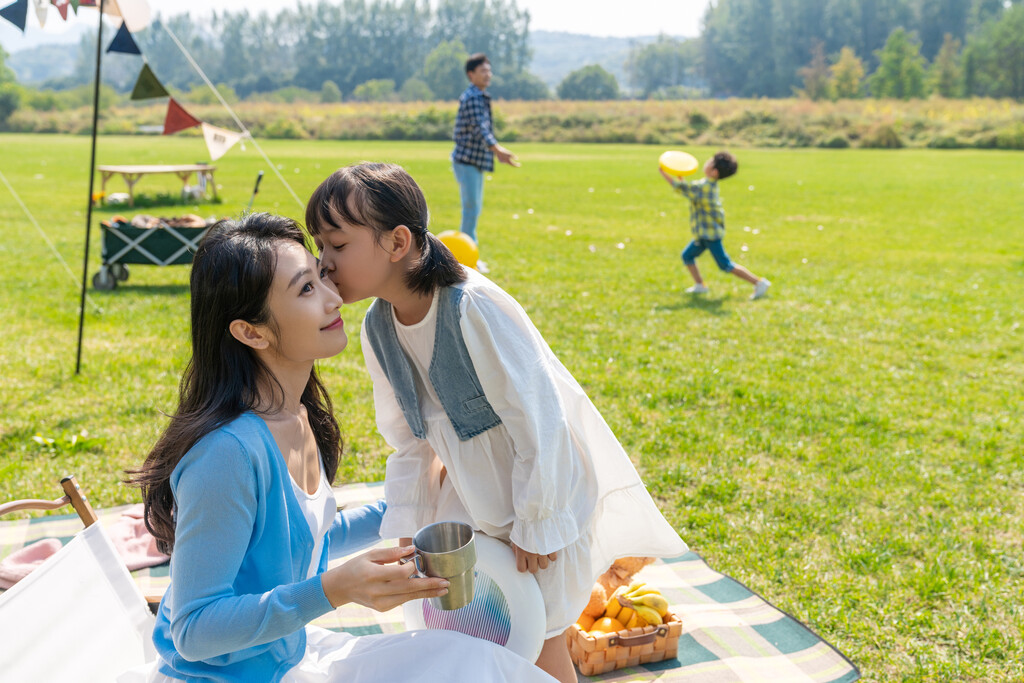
375,580
532,562
669,179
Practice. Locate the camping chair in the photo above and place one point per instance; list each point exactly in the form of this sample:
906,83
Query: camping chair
79,616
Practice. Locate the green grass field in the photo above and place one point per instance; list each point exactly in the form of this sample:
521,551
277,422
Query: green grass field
849,447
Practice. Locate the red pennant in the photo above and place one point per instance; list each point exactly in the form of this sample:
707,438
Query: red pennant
178,119
62,7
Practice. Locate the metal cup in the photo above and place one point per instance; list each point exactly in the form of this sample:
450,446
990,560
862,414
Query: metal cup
447,550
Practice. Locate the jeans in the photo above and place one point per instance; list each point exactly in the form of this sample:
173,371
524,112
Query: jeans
697,247
471,187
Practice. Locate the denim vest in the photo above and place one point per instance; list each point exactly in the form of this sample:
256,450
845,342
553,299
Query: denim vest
451,369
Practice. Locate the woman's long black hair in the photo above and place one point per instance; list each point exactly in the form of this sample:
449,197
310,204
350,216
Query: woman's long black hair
232,273
382,197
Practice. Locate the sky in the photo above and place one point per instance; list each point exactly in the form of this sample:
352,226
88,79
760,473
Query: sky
593,17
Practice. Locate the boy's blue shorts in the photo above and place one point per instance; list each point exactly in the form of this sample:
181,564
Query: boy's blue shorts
697,247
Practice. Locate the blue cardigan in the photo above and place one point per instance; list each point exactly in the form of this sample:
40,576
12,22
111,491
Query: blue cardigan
239,599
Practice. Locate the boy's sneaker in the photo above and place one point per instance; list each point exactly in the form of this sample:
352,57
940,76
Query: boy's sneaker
697,289
760,289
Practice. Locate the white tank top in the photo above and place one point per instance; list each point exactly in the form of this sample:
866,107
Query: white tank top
319,510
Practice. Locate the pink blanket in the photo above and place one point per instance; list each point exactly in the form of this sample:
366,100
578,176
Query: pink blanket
129,535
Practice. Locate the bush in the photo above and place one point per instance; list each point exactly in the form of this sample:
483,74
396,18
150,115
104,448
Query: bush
1011,138
945,142
330,93
286,129
287,95
415,90
10,99
834,142
882,137
699,122
376,90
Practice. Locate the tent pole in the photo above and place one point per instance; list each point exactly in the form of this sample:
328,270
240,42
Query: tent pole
92,180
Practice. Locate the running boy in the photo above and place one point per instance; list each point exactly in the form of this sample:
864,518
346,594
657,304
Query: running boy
707,222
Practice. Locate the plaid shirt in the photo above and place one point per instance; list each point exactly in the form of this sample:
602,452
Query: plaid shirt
473,136
707,216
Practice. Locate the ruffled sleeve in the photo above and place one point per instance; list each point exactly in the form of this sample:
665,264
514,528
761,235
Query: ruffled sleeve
514,366
412,475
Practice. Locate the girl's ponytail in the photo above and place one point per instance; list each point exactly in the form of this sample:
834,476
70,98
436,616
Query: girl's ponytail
437,266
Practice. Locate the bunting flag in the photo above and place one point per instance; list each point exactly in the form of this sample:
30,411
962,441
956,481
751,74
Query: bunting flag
42,8
219,140
62,7
16,13
147,86
123,42
74,5
178,119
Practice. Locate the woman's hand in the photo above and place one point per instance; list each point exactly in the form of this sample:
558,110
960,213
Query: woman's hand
532,562
375,580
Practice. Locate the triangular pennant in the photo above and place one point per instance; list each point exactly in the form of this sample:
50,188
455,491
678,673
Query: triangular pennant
135,13
42,8
123,42
219,140
74,5
178,119
16,13
62,7
147,86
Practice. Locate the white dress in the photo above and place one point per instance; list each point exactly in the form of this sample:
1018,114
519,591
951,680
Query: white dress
551,478
415,656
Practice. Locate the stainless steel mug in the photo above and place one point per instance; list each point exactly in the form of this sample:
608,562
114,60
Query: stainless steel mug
447,550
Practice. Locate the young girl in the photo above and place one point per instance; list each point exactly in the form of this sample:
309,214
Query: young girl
238,491
487,425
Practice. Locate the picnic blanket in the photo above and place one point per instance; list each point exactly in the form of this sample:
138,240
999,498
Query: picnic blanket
730,634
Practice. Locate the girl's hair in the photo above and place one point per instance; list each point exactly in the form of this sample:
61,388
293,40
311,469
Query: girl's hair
232,273
381,197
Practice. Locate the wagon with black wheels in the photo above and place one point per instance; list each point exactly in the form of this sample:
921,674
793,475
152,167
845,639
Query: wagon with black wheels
152,241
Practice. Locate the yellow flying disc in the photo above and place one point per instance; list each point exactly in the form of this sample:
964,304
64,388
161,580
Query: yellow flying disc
678,163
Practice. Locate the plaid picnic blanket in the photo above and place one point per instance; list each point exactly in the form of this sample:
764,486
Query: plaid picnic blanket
730,634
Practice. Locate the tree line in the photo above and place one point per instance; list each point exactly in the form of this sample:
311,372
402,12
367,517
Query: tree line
848,48
380,50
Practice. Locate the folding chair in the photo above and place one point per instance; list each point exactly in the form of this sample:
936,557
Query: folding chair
79,616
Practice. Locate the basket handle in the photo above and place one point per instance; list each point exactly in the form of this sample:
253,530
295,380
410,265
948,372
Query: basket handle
643,639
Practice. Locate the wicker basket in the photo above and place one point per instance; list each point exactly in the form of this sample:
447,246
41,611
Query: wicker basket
609,651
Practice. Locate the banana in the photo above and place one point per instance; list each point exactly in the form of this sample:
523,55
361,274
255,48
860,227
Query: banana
612,607
625,614
648,614
636,620
635,586
655,601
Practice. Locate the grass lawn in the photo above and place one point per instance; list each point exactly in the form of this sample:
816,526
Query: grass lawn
849,447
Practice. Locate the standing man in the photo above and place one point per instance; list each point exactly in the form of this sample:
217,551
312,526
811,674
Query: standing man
475,144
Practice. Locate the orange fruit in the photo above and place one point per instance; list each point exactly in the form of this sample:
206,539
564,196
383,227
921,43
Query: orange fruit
585,622
606,625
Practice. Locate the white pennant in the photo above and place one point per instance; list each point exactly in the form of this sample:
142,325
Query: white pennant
219,140
41,7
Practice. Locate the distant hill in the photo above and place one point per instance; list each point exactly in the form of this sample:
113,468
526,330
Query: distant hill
557,53
41,63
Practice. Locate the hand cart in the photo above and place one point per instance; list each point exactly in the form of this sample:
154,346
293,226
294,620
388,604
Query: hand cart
123,243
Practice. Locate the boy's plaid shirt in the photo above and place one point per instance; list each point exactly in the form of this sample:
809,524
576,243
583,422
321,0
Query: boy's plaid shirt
473,135
707,216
